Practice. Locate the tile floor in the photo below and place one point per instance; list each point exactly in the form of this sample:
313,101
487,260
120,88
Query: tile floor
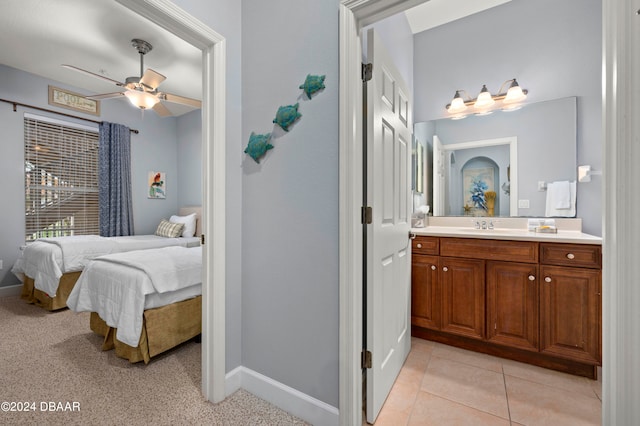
443,385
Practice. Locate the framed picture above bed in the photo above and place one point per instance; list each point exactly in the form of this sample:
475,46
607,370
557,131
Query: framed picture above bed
157,185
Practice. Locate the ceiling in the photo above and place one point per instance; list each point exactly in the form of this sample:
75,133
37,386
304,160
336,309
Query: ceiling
38,36
434,13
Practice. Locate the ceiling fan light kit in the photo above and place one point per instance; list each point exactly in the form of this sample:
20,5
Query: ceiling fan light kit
142,91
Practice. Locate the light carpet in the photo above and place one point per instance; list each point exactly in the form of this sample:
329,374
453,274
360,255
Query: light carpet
53,357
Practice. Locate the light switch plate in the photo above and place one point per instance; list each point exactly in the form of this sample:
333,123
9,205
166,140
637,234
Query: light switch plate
523,204
1,264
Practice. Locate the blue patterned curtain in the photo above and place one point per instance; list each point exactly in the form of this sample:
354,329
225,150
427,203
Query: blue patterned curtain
114,157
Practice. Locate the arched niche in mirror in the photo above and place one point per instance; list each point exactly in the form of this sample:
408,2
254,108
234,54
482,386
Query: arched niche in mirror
461,170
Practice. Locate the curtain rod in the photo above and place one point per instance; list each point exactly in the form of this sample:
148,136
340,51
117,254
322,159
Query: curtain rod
15,104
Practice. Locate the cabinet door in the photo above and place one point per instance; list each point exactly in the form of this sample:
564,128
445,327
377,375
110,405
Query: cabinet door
570,312
425,292
462,296
512,304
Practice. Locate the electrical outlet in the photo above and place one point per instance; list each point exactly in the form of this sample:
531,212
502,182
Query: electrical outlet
523,204
1,264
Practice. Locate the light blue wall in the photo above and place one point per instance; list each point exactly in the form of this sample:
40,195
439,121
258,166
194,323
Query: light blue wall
189,157
223,16
290,253
154,148
397,38
553,48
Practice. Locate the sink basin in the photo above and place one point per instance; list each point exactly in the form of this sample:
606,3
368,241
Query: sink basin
491,231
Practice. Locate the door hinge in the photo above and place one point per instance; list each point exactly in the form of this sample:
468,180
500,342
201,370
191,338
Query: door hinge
365,359
202,239
367,215
367,72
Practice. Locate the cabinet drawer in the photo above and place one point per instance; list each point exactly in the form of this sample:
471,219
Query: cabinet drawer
425,245
580,255
511,251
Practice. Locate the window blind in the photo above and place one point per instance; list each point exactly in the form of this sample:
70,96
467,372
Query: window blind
60,180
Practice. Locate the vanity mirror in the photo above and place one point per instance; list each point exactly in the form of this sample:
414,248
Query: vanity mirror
514,154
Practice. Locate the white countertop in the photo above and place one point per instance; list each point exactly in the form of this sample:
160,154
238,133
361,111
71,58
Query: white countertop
575,237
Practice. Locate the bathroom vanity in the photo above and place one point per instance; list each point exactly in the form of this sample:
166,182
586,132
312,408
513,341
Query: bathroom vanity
510,292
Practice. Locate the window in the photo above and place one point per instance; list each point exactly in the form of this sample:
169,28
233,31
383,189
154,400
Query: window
60,179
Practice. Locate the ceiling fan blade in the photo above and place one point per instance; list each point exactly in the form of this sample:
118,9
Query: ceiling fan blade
181,100
92,74
162,110
105,96
152,79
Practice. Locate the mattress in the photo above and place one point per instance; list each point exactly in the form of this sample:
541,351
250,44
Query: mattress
45,260
119,289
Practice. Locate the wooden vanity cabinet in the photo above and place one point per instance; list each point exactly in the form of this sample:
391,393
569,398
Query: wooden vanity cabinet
462,296
570,301
512,304
531,301
425,283
425,291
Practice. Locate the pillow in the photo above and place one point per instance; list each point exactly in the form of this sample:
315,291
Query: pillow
168,229
189,224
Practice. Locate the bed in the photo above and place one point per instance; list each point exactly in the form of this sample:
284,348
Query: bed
49,268
143,302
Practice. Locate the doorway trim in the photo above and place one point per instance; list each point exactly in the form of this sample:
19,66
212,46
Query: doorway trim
354,15
167,15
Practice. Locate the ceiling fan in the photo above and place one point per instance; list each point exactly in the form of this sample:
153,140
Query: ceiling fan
142,91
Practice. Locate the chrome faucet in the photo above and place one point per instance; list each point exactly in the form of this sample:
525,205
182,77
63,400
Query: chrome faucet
477,224
490,224
484,224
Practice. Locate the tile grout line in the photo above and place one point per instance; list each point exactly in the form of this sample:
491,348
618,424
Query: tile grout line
415,398
539,382
506,394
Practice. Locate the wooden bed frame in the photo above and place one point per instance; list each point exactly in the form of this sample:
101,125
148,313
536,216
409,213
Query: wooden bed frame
163,328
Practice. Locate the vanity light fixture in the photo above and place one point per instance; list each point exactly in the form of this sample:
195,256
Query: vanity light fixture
485,103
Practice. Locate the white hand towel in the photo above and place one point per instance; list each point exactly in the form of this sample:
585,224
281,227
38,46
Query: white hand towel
561,194
556,196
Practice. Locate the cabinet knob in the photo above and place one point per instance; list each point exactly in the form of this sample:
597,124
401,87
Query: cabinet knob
570,256
531,278
419,245
547,279
445,269
433,267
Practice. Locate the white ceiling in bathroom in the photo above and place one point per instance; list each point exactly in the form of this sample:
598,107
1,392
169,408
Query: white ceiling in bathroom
438,12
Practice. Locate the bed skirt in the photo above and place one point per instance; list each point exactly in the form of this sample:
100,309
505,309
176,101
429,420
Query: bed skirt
162,329
42,299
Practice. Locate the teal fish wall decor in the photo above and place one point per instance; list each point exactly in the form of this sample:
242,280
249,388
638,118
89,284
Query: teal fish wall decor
312,84
286,116
258,145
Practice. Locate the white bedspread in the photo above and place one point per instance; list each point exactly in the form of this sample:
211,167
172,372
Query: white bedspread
117,286
46,259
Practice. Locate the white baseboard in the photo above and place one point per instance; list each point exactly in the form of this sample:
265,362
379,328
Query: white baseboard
285,397
233,380
11,290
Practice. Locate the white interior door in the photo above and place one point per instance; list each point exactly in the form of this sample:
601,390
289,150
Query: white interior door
389,107
439,191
